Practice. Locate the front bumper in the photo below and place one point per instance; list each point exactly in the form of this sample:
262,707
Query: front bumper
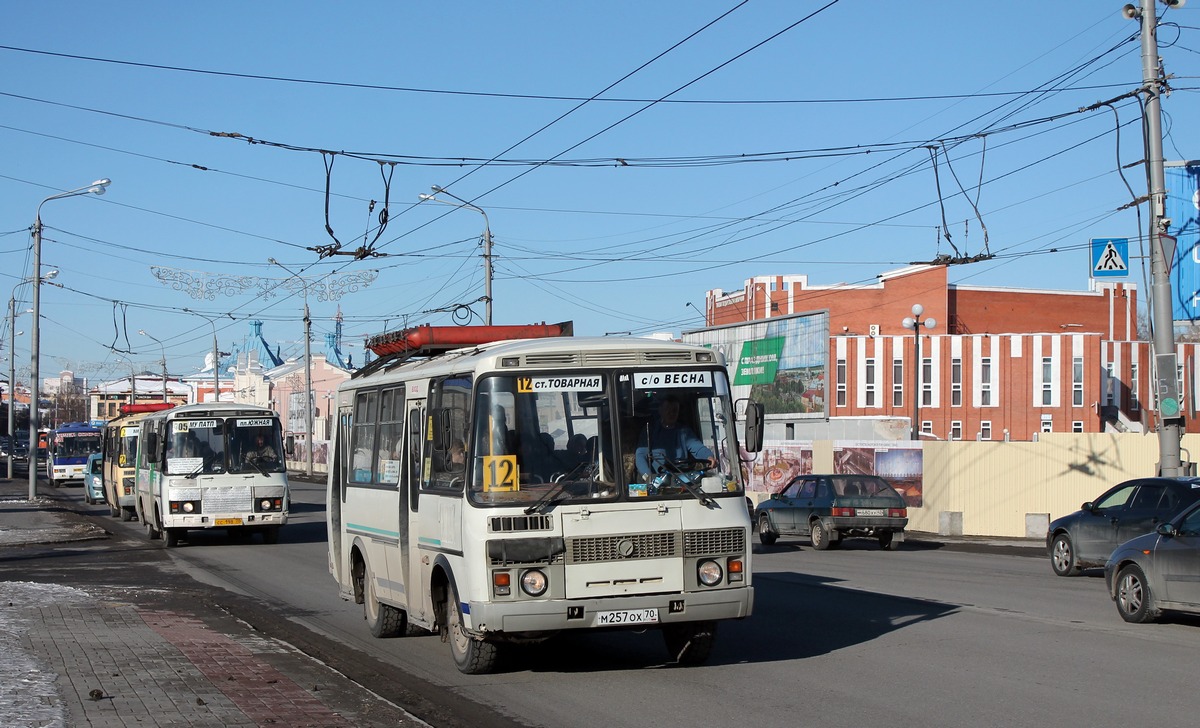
560,614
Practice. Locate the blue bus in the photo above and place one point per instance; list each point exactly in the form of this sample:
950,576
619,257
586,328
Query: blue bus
69,446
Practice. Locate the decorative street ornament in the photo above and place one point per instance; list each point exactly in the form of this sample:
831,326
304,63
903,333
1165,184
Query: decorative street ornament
209,286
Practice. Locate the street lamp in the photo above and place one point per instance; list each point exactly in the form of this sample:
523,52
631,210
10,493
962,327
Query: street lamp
216,355
487,243
163,361
914,322
95,188
308,413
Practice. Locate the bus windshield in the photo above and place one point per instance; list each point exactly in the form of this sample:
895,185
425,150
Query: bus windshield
216,445
71,445
546,439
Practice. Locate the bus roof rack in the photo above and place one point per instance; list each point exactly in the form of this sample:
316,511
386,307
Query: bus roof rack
394,347
129,409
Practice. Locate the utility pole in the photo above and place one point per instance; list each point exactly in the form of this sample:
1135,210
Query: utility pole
1166,388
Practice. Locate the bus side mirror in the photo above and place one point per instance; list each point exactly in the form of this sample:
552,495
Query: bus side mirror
754,427
289,444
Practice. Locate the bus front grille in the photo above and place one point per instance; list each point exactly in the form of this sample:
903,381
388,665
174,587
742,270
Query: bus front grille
513,524
711,543
589,549
227,499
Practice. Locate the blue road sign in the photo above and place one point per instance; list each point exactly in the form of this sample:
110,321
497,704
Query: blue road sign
1110,257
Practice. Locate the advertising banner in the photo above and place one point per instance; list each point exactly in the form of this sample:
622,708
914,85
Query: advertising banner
779,362
1183,209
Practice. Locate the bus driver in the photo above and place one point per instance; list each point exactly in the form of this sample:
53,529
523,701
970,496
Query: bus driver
669,439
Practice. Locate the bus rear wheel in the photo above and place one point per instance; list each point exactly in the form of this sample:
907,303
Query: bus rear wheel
472,656
382,619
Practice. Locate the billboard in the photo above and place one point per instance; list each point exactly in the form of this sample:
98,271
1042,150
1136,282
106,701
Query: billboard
779,362
1183,209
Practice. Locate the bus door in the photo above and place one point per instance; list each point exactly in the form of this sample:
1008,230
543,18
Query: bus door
410,489
339,463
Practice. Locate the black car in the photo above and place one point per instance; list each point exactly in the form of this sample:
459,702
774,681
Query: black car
827,508
1088,536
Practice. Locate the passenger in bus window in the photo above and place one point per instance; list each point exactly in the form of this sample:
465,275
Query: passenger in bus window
669,439
457,460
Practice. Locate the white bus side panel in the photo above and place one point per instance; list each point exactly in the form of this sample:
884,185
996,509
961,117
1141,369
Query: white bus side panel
371,518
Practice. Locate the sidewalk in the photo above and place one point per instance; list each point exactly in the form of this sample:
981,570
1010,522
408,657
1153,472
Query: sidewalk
74,657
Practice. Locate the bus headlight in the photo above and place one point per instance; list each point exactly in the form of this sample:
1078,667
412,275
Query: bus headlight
534,582
188,507
710,573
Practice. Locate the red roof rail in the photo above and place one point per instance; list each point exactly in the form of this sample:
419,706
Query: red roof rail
437,339
129,409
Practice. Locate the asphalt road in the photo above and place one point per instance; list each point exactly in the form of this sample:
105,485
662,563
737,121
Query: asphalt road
920,636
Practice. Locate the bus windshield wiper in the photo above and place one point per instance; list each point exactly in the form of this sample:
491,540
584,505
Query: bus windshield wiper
684,478
204,463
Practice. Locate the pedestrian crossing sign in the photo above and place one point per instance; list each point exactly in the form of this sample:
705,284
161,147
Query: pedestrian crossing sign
1110,257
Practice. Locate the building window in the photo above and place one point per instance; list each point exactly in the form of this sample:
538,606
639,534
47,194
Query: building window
927,427
1047,382
1047,425
956,430
985,382
870,386
927,382
1179,385
897,382
841,382
985,430
1077,382
1110,394
956,382
1134,402
1077,426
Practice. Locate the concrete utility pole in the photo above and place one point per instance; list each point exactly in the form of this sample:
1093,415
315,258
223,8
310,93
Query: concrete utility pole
1166,388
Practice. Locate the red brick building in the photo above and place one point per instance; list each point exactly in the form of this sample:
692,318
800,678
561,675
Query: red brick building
1000,362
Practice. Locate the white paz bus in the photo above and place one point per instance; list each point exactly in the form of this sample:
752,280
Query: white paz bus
496,487
216,465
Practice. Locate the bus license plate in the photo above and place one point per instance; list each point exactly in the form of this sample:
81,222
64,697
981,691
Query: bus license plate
628,616
870,511
228,522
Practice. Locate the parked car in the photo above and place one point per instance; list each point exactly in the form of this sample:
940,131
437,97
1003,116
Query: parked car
1158,571
1088,536
828,508
93,479
19,452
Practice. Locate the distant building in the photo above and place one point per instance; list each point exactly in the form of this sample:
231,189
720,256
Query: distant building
1000,363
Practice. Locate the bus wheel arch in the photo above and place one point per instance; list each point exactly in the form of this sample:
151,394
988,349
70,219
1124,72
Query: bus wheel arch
472,654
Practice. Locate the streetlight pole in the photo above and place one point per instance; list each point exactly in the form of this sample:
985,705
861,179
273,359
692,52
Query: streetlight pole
308,390
1170,429
216,356
914,322
12,377
95,188
487,243
163,349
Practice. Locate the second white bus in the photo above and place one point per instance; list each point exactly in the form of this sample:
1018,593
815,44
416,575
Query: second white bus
199,466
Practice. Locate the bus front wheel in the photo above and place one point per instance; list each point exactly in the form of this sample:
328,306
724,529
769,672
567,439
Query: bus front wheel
172,536
690,643
472,656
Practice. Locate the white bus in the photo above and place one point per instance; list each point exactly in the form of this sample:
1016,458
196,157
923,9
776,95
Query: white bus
493,493
211,465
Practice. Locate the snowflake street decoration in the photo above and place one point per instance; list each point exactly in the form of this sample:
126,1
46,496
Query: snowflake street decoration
210,286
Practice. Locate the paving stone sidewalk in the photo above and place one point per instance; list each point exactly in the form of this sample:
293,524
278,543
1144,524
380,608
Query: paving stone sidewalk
74,657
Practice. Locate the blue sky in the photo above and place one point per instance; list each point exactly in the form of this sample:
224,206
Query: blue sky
756,138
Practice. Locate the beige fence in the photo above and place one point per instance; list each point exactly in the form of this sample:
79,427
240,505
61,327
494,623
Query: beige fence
1014,489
